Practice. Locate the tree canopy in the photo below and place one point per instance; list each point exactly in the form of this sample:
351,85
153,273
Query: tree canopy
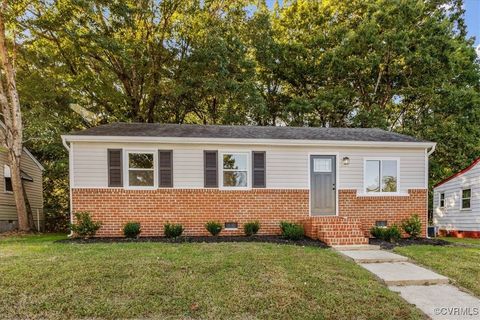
406,66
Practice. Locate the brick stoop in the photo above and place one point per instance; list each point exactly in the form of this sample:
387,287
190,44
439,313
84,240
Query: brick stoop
335,230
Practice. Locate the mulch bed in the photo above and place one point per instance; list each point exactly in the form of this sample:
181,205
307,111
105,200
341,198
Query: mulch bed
305,242
409,242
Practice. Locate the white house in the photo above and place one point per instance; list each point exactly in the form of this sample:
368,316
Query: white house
456,203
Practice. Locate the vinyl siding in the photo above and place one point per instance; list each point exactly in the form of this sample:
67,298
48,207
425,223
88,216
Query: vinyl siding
287,167
452,217
34,189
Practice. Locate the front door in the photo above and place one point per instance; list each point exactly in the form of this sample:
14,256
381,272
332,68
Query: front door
322,185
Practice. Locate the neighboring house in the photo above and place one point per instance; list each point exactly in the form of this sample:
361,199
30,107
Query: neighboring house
31,171
338,182
456,203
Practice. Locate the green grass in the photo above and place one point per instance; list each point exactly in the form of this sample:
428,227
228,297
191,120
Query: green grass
43,279
460,263
466,241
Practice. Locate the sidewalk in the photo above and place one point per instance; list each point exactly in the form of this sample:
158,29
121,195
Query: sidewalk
427,290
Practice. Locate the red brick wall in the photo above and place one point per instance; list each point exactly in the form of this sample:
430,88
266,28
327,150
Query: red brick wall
193,207
190,207
394,209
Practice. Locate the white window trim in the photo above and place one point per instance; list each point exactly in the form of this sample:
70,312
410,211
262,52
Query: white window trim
126,169
461,199
6,174
220,167
440,200
364,192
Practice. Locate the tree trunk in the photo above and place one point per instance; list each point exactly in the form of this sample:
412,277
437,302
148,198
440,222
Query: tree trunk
28,208
12,117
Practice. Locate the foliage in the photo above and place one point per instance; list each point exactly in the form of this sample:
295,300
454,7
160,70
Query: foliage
173,230
390,234
292,231
412,226
251,228
213,227
405,66
56,222
132,229
84,226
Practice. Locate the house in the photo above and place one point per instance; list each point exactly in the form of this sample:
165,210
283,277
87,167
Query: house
31,172
456,203
337,182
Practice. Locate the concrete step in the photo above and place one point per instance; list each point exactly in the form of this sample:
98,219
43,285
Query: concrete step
356,247
372,256
338,241
441,302
404,274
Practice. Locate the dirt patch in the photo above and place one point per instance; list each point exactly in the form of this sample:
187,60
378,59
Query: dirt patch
307,242
409,242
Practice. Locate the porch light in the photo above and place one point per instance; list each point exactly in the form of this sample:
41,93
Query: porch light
346,161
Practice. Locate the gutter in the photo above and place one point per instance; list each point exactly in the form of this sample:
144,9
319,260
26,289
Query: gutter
70,167
429,153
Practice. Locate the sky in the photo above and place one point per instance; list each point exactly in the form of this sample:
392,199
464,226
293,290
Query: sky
472,19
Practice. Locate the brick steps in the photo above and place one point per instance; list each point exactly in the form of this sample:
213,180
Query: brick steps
336,231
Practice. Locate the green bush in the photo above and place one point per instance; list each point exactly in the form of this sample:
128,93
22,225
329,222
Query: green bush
412,226
378,232
251,228
213,227
173,230
292,231
132,229
84,227
390,234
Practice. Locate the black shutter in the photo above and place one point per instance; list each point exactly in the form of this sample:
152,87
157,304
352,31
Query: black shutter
210,160
115,168
165,168
259,169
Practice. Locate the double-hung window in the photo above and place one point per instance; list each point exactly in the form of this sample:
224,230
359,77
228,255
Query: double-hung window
442,200
7,179
235,170
381,176
141,172
466,197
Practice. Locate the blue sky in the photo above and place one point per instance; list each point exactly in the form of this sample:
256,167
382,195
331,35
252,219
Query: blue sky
472,17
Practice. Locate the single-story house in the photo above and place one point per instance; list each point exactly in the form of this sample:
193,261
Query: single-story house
337,182
456,203
31,171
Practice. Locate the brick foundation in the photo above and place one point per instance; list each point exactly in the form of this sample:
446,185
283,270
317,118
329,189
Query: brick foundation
393,209
193,207
459,233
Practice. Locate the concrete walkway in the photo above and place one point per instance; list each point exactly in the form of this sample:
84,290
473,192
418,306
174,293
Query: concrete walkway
427,290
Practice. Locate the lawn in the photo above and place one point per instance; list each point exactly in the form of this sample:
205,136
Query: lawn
43,279
460,261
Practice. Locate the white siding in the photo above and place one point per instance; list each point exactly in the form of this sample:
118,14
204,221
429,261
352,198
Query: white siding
287,166
452,217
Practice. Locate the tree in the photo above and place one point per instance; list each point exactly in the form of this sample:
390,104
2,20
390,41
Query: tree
12,119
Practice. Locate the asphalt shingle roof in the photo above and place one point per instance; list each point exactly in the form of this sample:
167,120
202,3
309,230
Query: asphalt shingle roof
121,129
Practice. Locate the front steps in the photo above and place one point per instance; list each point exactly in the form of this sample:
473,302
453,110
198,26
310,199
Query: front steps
335,231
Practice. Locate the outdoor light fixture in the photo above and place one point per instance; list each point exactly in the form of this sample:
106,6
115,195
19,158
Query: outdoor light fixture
346,161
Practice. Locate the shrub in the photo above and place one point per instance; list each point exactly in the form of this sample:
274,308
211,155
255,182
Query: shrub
132,229
390,234
292,231
378,232
412,226
213,227
251,228
173,230
85,227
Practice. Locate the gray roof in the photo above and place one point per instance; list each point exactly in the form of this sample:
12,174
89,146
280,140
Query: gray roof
121,129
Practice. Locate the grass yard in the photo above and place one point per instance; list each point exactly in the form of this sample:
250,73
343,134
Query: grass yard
459,262
43,279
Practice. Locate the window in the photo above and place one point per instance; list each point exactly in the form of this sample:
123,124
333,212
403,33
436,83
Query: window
381,223
235,170
381,176
322,165
466,195
141,171
442,200
231,225
7,179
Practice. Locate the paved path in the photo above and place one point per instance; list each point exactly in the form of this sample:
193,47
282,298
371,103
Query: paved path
428,290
